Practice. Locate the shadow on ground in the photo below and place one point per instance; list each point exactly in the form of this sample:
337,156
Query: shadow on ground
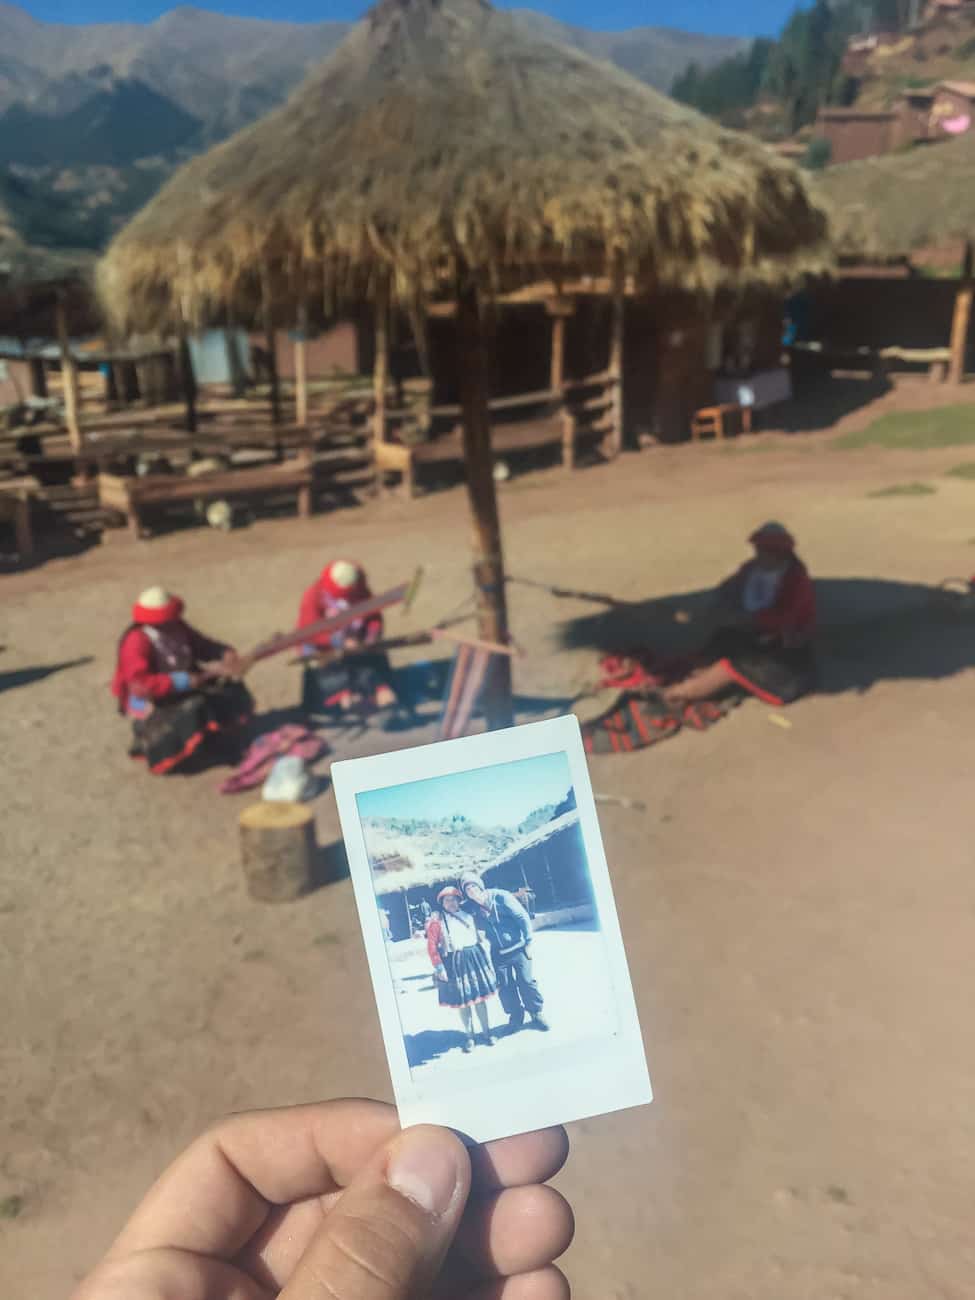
819,405
870,630
28,676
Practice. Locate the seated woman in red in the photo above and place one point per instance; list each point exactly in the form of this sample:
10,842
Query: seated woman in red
337,686
175,684
766,614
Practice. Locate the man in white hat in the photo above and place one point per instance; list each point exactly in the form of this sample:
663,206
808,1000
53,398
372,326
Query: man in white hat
176,685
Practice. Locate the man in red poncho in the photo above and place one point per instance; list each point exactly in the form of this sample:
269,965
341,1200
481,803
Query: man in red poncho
766,615
175,684
328,687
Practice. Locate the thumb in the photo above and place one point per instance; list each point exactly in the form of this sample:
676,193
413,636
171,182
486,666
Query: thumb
388,1233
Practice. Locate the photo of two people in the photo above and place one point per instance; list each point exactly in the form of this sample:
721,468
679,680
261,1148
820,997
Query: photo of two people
485,896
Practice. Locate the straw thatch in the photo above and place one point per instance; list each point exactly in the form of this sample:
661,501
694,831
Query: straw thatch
884,208
440,142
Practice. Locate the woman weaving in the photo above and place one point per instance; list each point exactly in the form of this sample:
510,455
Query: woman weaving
766,615
175,684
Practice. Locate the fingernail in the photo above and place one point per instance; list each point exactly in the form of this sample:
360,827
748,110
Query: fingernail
423,1168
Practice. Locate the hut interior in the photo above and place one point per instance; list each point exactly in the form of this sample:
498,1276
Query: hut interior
897,208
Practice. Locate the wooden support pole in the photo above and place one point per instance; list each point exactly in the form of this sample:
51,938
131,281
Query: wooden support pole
187,379
380,382
380,368
271,344
301,367
960,321
38,377
557,365
69,381
489,577
616,372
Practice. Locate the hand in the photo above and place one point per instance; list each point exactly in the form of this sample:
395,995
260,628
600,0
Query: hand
528,951
440,974
198,679
333,1200
351,643
231,664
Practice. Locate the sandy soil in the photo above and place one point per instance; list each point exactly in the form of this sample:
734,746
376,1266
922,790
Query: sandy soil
798,904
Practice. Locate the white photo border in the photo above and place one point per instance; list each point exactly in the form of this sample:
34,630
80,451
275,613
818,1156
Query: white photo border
573,1082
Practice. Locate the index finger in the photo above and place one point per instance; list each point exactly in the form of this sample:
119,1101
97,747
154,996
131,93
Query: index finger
218,1193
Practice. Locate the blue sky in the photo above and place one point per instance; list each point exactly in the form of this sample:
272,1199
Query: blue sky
727,17
490,796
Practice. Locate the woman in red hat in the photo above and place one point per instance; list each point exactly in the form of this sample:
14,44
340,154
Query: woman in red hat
174,683
327,687
766,615
463,971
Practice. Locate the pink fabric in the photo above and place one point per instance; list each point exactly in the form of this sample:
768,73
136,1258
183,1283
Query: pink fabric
261,756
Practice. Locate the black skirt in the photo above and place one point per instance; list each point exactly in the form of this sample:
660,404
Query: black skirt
766,669
470,978
175,730
362,674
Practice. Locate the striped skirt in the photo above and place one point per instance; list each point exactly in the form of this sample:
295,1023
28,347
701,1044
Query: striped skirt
470,978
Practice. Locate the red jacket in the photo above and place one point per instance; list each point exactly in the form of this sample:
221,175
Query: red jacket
792,616
317,604
148,670
434,940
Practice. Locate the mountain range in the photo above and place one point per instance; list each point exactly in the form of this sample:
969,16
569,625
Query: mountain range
93,118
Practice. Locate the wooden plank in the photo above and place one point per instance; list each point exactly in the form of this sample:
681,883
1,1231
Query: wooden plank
160,488
301,368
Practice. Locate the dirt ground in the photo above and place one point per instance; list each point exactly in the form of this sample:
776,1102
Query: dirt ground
798,904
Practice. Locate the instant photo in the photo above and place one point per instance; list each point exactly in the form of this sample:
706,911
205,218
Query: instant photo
489,923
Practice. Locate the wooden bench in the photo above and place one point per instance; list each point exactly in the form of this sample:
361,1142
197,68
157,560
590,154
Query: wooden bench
713,420
130,496
15,499
565,418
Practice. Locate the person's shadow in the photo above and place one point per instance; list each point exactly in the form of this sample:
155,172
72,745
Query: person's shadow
869,630
430,1045
28,676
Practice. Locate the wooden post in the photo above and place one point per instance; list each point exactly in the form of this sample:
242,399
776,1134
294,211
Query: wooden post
616,371
278,849
489,576
301,367
271,344
69,381
187,379
380,381
559,310
960,321
38,377
112,385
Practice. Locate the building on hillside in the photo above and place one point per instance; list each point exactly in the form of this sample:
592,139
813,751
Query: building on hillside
952,109
855,133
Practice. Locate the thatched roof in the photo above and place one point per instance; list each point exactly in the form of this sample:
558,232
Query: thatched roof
31,280
440,141
398,882
884,208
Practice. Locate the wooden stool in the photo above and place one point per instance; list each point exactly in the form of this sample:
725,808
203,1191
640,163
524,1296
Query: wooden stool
278,850
711,420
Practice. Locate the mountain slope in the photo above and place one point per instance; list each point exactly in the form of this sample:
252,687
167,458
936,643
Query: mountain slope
94,118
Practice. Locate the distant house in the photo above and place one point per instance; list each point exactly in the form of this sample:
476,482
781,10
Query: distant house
952,109
855,133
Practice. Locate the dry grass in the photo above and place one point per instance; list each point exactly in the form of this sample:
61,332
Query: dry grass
885,207
440,142
905,490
